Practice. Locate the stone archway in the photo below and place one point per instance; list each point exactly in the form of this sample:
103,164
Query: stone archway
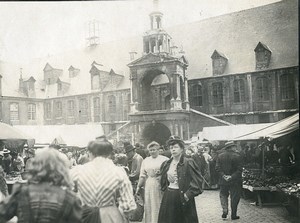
154,87
156,132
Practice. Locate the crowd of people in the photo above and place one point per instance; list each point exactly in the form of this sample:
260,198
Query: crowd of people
103,184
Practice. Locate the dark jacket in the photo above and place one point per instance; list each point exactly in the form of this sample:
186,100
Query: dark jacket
189,178
229,162
35,203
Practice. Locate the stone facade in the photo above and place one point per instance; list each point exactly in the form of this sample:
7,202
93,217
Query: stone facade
253,83
254,97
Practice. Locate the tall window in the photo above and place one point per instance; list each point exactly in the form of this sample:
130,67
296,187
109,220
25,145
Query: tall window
48,110
197,95
126,106
287,86
96,102
31,111
112,107
262,89
58,107
217,93
238,91
14,111
83,107
71,108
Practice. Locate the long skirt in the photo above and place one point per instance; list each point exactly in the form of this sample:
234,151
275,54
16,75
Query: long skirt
173,211
152,200
109,214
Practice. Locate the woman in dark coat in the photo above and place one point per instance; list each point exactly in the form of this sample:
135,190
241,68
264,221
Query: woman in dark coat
181,182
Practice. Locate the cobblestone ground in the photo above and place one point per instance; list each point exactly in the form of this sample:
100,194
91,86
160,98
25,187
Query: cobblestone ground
209,210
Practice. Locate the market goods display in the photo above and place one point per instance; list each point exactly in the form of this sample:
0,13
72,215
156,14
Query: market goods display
253,178
291,188
13,176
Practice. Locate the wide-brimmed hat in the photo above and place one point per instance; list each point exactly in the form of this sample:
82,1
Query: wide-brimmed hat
129,148
229,144
176,139
5,151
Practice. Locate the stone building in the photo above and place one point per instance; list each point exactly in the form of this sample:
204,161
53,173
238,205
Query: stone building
236,68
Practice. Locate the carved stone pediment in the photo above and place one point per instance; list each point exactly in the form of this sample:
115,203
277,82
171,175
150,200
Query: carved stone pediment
151,58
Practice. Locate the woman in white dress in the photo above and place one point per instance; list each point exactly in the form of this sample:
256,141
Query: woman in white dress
150,178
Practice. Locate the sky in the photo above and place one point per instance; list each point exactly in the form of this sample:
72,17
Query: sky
36,29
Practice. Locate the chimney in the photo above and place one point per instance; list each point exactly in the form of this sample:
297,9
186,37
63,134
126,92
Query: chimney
21,84
132,55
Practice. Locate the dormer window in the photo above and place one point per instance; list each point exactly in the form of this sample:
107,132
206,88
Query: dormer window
73,72
262,56
59,86
219,62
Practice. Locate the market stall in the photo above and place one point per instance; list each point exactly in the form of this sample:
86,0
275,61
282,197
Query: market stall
279,155
12,141
66,135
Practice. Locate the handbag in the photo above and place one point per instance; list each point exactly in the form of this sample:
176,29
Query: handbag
138,213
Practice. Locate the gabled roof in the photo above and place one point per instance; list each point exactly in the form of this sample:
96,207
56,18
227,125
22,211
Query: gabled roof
72,68
97,65
261,45
47,67
30,79
152,58
112,72
217,54
236,34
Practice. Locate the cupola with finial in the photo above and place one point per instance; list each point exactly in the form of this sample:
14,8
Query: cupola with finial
156,40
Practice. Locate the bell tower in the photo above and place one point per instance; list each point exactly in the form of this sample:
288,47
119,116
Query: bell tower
156,40
159,91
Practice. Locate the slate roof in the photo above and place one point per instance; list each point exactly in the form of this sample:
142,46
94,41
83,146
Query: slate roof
235,35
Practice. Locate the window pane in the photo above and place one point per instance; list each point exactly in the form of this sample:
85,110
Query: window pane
31,111
287,86
262,89
217,93
71,108
197,95
48,110
14,111
96,109
238,91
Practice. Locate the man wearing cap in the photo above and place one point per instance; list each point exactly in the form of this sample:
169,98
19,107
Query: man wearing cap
6,161
134,163
141,151
229,166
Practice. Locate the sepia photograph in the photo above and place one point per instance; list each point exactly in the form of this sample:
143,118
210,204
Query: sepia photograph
152,111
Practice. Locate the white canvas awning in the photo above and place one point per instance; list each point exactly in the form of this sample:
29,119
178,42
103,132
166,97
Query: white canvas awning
71,135
225,133
274,130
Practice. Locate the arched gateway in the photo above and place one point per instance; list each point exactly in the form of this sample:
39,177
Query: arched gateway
156,132
159,89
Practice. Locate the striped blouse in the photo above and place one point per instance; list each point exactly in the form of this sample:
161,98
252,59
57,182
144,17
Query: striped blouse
100,183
